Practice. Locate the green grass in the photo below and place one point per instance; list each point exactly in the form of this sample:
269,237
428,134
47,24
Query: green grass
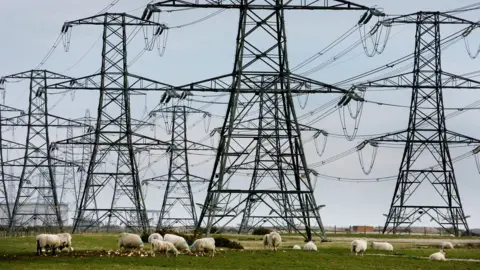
19,253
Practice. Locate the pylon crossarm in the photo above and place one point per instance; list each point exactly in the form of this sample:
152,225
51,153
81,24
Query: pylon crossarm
264,82
100,20
36,75
401,137
257,4
428,17
404,80
92,82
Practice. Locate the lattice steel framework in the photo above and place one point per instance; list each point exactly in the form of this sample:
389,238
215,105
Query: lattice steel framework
179,180
7,179
37,184
261,158
427,137
114,137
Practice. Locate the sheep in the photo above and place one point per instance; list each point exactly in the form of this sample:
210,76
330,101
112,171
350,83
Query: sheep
310,246
178,241
381,246
154,236
66,241
130,240
275,240
203,245
47,241
447,245
266,241
438,256
163,246
358,246
297,247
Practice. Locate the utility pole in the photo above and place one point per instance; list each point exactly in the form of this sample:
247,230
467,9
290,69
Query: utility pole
179,180
256,153
114,138
427,137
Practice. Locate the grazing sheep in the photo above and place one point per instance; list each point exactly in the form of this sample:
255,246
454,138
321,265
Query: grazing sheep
447,245
310,246
381,246
178,241
66,241
266,241
438,256
47,241
297,247
358,246
163,246
275,240
203,245
130,240
154,236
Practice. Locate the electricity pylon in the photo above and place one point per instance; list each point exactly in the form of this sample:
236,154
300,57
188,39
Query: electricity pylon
427,138
261,158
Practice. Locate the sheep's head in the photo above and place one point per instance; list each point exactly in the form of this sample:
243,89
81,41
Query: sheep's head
443,252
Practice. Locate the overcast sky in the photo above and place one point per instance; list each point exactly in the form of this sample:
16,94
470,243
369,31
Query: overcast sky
206,49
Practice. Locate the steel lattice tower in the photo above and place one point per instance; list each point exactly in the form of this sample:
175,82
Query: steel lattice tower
114,137
178,191
261,158
427,137
37,179
6,178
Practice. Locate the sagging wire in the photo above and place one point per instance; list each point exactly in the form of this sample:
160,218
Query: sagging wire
358,180
50,52
200,20
321,150
206,123
374,35
305,102
202,162
477,157
344,102
467,45
326,49
112,4
445,43
374,155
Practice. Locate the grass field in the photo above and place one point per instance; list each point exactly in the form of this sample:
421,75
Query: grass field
91,253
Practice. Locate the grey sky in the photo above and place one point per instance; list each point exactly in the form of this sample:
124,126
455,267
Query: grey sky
203,50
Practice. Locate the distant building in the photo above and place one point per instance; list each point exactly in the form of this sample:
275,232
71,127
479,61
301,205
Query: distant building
35,214
363,229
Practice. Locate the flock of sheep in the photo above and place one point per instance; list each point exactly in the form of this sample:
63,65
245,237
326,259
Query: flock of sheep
357,246
171,243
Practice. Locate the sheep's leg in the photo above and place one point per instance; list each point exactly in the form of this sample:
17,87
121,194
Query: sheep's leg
39,249
53,251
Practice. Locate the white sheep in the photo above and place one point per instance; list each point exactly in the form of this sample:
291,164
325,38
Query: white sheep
130,240
203,245
447,245
47,241
178,241
358,246
275,240
66,241
297,247
266,241
154,236
163,246
381,246
438,256
310,246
